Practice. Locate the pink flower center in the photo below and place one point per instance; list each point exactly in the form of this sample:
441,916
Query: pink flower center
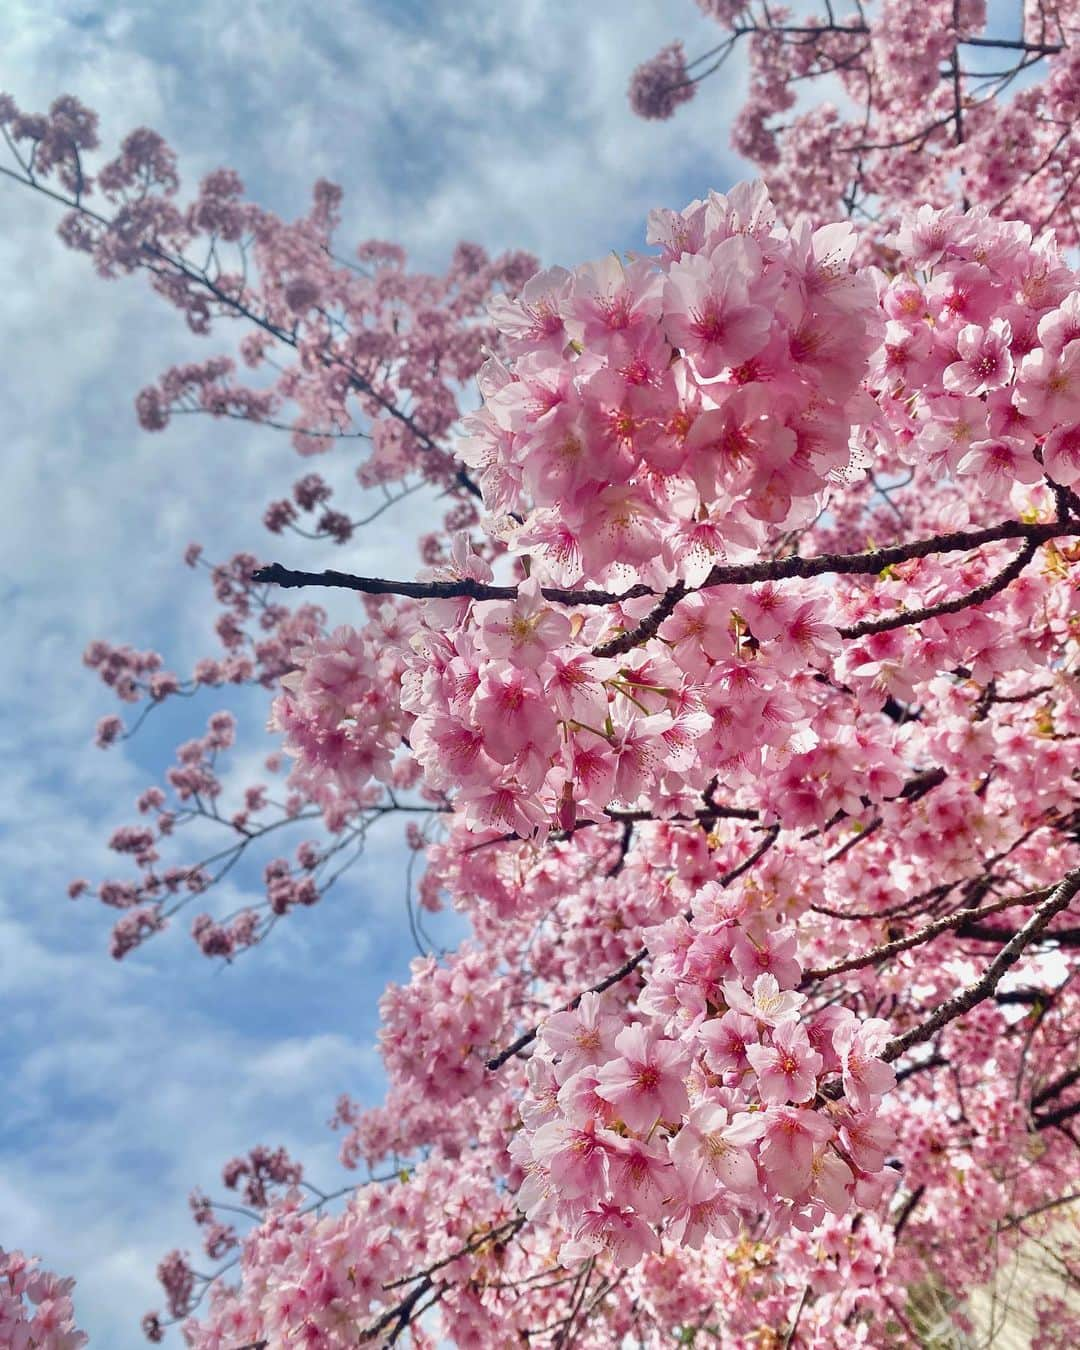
648,1077
708,324
986,366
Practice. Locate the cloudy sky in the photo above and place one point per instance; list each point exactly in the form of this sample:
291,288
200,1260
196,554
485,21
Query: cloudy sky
126,1085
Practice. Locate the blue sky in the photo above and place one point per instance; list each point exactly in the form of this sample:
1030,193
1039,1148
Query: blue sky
126,1085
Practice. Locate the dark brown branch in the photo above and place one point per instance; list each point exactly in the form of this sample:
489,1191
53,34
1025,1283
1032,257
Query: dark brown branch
465,588
934,1062
401,1312
976,597
908,1209
1058,1117
770,569
985,932
624,848
1027,998
856,839
527,1037
714,811
914,789
1058,1085
705,816
1060,898
931,930
646,629
1041,1209
1016,45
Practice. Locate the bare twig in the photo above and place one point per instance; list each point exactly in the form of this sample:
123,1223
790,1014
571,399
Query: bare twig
931,930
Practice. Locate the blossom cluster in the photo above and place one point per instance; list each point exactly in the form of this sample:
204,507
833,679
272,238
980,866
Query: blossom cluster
518,704
340,711
435,1029
35,1306
661,413
708,1112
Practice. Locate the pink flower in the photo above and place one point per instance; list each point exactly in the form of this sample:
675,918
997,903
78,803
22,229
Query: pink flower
1061,454
710,1141
641,1175
997,464
579,1037
702,1210
866,1078
659,85
532,321
619,526
504,807
773,954
511,712
639,752
525,630
924,235
593,770
833,1181
701,621
1062,325
646,1083
726,1039
627,1237
985,361
609,297
820,1033
1048,386
577,1097
708,310
766,1004
867,1139
574,1156
787,1069
902,357
768,609
575,689
806,635
791,1137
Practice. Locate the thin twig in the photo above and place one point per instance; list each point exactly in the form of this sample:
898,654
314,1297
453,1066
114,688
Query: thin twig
931,930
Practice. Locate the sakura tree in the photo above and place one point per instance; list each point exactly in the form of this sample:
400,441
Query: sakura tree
734,707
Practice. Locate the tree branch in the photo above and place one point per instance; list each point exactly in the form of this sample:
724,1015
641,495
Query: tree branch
771,569
464,588
931,930
646,629
954,606
1060,898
